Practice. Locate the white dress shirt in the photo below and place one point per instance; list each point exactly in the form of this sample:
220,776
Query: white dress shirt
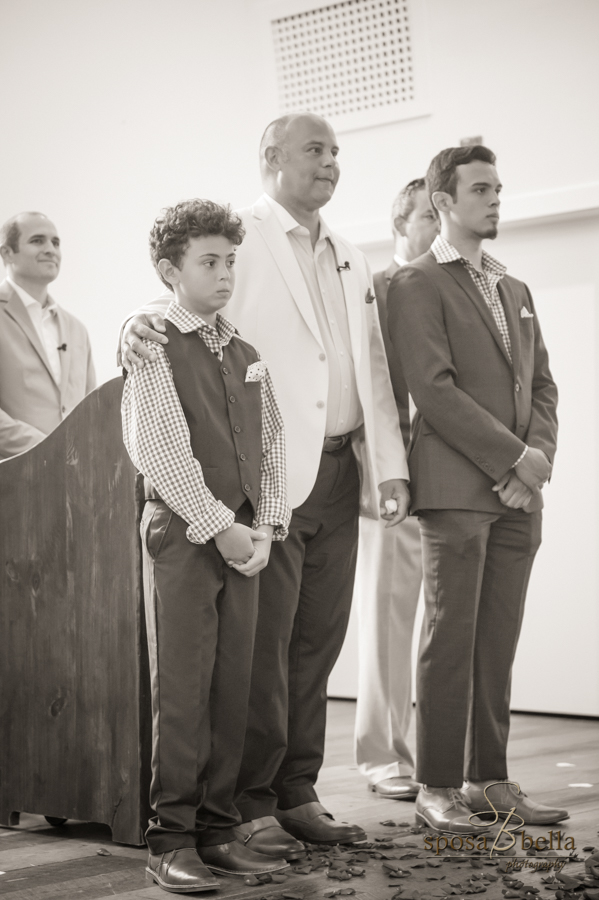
318,265
45,322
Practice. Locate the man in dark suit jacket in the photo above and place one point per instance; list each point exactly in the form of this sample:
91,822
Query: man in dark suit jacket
482,446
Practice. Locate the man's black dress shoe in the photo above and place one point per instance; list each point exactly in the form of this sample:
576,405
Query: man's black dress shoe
235,858
311,822
180,872
398,787
265,835
443,809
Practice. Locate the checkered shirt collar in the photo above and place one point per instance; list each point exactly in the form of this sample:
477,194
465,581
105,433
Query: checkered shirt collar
187,321
444,252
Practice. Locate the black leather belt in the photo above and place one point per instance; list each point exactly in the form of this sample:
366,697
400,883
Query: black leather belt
335,443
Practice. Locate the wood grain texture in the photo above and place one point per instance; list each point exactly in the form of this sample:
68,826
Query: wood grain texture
74,708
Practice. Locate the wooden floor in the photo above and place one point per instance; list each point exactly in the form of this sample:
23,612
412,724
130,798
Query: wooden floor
556,760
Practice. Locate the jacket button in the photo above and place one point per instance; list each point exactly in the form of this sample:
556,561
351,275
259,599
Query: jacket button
246,487
321,357
64,409
237,429
232,399
517,386
225,370
320,404
242,456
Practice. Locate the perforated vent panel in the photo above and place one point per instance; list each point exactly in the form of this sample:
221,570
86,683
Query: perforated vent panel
345,58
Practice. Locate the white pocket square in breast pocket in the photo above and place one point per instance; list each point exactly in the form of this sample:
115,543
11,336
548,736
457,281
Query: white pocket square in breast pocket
256,371
525,314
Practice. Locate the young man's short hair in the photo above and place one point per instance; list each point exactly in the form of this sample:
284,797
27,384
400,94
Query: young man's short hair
442,175
177,225
405,202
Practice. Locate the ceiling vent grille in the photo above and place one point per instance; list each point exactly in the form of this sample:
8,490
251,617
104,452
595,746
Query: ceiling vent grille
346,58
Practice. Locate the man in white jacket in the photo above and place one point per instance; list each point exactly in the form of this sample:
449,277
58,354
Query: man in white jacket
304,298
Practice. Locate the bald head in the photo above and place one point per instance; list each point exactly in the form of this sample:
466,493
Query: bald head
298,161
10,232
30,248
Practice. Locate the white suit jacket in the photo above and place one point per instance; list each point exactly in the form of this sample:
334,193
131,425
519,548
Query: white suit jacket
271,308
32,402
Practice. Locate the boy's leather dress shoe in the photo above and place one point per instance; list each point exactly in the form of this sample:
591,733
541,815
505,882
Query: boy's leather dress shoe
311,822
265,835
504,796
398,787
180,872
235,858
444,809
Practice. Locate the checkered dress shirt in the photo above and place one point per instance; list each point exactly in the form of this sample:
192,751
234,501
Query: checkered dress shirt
486,281
156,436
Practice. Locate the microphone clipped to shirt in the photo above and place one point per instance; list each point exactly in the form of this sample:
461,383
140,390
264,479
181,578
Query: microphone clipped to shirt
345,266
62,347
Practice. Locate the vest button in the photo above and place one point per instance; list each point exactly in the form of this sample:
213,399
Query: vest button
237,429
225,370
246,487
242,456
320,404
232,398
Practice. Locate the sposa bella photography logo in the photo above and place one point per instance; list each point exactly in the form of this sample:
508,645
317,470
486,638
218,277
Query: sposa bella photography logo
505,840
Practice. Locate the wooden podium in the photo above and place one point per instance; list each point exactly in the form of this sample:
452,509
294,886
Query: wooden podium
75,722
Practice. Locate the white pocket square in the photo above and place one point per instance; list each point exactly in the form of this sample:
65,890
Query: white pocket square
525,314
256,371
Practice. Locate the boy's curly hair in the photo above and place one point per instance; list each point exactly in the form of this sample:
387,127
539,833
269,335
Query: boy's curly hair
173,229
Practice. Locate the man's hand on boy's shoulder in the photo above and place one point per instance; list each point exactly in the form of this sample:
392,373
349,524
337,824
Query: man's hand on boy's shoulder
133,352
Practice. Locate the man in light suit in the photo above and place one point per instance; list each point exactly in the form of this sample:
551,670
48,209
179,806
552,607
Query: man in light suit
304,299
46,364
389,567
483,443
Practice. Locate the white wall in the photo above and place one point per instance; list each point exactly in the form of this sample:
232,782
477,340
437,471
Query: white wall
114,108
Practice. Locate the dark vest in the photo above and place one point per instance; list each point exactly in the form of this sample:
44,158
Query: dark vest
223,412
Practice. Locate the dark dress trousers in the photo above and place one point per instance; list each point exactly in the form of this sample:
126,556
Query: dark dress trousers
305,599
476,411
200,613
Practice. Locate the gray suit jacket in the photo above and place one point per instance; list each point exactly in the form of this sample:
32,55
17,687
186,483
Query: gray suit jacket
32,403
476,408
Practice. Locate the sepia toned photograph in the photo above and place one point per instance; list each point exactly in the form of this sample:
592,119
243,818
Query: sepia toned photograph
299,389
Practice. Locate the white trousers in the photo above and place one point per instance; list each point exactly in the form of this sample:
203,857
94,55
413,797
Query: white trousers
387,587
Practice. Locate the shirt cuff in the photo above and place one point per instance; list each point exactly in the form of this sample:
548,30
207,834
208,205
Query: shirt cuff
216,519
274,512
521,457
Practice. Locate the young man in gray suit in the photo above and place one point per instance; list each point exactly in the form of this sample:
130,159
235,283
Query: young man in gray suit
46,363
482,446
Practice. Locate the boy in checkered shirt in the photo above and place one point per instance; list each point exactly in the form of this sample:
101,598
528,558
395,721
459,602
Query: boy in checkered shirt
201,422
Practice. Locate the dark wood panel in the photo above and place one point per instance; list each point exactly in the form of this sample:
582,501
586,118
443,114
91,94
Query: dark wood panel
74,703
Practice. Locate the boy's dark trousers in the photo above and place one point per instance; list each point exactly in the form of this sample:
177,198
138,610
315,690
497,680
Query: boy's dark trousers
201,619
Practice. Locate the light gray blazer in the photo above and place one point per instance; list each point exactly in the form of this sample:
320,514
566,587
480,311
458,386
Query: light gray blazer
32,403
